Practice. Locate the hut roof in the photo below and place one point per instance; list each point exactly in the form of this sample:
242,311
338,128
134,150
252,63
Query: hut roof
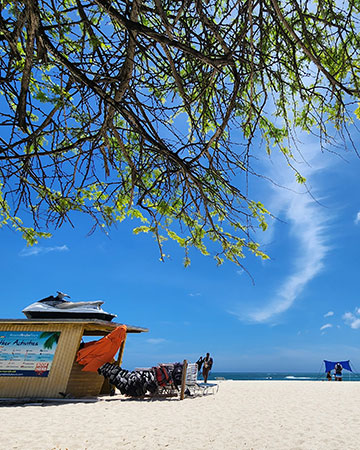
92,327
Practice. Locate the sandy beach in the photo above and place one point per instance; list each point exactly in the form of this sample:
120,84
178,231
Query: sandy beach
257,415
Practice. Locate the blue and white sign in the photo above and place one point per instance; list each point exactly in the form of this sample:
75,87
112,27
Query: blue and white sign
27,353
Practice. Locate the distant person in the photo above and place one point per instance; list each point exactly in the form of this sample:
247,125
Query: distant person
338,372
207,365
199,363
328,375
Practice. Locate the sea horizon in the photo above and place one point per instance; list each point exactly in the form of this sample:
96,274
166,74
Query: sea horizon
283,375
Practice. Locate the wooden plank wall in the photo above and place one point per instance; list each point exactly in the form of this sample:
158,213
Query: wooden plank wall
84,384
87,384
57,381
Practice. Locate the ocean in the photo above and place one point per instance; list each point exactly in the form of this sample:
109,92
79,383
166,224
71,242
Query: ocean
287,376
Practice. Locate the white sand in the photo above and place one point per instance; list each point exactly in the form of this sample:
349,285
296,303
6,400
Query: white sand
257,415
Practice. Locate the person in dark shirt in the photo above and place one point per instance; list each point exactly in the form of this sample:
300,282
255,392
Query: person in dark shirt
207,366
199,363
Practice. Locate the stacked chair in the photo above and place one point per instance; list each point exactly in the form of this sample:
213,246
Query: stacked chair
192,384
166,379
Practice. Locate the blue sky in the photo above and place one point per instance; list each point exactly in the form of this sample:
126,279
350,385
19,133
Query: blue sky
302,308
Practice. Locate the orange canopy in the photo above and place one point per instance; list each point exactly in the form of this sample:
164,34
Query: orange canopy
96,353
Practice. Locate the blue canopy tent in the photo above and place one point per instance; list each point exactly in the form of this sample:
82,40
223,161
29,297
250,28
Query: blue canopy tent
330,365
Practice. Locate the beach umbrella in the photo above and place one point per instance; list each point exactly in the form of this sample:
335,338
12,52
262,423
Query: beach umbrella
96,353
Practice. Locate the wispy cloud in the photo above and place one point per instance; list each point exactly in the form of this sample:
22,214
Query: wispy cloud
352,319
357,218
308,225
327,325
329,314
35,251
155,340
195,294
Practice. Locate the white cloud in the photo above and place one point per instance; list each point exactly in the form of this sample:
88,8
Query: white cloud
308,226
327,325
329,314
357,219
35,251
197,294
353,320
307,221
155,340
355,324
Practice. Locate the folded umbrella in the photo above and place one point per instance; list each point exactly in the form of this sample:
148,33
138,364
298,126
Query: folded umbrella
96,353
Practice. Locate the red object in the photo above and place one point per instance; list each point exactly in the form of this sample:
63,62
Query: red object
162,376
96,353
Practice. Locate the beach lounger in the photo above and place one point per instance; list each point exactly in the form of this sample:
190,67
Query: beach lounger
190,386
193,386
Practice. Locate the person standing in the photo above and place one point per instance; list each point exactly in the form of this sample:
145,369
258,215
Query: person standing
338,372
328,375
199,363
207,366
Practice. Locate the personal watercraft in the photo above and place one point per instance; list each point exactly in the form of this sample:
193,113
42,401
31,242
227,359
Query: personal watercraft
58,308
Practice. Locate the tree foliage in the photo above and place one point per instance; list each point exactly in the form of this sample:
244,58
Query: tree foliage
153,109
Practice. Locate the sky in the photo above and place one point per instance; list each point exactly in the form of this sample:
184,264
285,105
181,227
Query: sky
300,307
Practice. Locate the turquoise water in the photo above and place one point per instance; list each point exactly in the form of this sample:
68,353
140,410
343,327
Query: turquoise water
289,376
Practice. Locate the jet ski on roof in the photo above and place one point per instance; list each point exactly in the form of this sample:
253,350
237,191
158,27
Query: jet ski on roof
58,308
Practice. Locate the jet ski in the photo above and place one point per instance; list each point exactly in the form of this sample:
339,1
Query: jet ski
59,308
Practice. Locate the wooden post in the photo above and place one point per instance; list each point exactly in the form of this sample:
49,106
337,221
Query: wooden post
183,380
108,387
121,352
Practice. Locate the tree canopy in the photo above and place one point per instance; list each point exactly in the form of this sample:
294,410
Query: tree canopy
154,109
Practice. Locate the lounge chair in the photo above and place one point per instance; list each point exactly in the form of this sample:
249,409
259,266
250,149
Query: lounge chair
192,384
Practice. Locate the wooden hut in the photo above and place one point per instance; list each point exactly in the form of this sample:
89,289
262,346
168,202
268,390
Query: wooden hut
37,358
